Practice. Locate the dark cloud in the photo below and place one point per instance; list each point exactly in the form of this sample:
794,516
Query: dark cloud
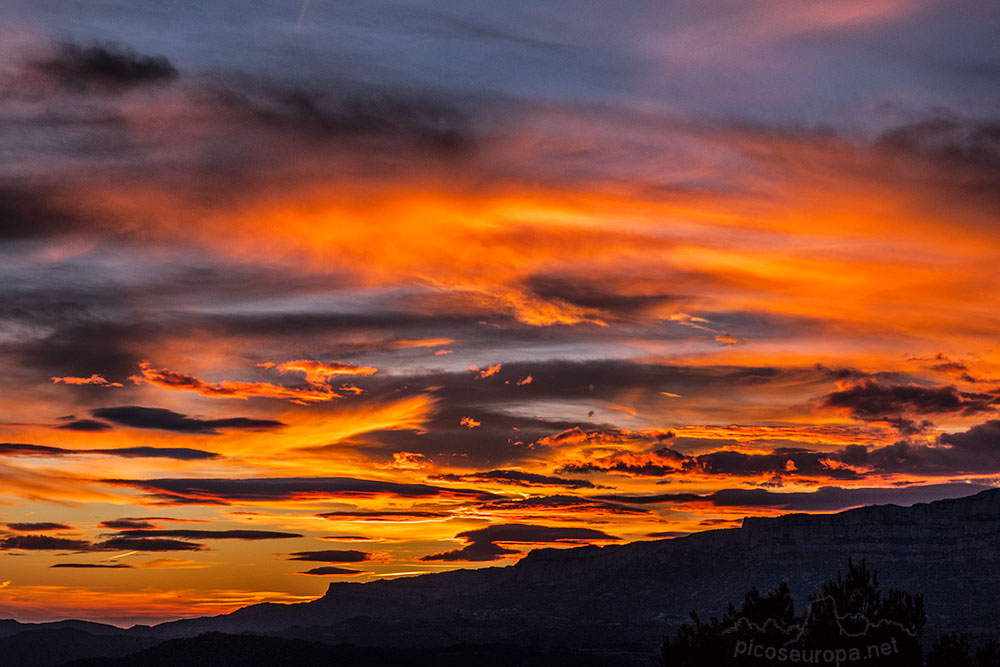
147,544
167,420
823,499
945,160
127,524
86,425
107,66
21,449
942,364
31,212
975,451
801,462
162,518
249,535
870,400
516,477
602,297
332,556
983,438
270,326
473,552
122,542
330,570
41,525
178,453
44,543
948,139
348,115
647,500
224,491
109,566
387,515
483,542
553,505
659,462
834,498
80,341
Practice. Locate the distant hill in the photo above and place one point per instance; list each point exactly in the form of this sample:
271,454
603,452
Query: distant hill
621,599
222,650
57,643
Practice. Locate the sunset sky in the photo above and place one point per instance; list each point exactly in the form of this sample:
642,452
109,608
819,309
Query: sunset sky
293,294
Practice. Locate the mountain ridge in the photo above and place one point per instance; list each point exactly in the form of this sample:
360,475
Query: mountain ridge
638,583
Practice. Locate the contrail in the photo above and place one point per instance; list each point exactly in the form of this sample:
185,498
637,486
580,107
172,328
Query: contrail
305,6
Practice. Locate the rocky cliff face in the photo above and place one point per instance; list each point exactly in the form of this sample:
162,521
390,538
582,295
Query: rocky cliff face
885,529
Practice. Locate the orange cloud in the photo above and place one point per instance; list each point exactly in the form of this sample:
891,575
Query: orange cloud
830,435
689,321
423,342
93,379
573,436
50,485
407,461
469,422
317,391
488,371
726,339
317,372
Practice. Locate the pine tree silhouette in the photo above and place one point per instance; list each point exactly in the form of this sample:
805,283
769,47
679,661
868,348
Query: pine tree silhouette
848,620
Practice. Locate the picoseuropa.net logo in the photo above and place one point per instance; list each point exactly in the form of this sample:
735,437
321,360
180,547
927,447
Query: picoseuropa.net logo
854,639
816,656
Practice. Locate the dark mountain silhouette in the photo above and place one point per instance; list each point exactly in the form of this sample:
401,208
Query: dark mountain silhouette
222,650
47,644
622,599
947,550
